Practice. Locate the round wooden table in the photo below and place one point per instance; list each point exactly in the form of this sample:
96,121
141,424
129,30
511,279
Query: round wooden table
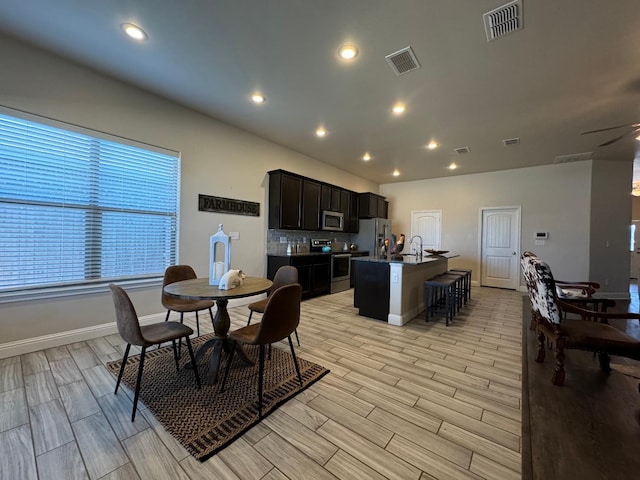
199,289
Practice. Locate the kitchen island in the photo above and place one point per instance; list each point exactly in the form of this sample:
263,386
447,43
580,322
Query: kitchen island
393,290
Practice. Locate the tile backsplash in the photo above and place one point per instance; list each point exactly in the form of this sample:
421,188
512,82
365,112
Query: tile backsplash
302,238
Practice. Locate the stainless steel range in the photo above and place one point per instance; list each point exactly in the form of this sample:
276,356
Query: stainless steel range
340,264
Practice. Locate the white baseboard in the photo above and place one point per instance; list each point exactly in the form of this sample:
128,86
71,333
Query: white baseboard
399,320
28,345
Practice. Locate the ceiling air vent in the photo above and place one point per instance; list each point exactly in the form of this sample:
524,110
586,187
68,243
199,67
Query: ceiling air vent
510,141
403,61
503,20
573,157
462,150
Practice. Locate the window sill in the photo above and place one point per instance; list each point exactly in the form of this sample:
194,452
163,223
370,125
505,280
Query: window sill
75,290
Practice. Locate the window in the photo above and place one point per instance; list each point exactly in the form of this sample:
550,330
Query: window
77,207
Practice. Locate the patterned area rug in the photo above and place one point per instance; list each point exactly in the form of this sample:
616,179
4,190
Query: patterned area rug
205,421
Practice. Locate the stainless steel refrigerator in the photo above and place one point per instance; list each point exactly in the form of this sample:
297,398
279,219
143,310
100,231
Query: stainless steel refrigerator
371,235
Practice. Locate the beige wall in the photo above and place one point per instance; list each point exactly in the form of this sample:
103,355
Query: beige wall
216,159
611,201
553,198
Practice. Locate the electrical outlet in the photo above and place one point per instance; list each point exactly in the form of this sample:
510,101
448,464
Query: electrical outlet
283,239
234,235
394,278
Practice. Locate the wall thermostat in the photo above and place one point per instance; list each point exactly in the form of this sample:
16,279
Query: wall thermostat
541,235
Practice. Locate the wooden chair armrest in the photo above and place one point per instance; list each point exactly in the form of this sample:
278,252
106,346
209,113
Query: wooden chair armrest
589,284
595,314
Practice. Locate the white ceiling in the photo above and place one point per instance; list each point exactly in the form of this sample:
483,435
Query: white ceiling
575,66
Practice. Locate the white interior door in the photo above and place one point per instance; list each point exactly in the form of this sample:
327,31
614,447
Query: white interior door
426,223
500,247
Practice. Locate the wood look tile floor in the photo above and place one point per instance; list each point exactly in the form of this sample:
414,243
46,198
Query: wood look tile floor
422,401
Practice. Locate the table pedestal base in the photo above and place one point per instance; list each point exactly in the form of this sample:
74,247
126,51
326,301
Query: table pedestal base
220,342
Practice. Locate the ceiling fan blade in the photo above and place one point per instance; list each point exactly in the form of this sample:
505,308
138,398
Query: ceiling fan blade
634,125
613,140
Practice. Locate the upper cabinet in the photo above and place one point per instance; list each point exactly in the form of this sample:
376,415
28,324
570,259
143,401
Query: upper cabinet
297,202
285,201
311,204
330,198
354,224
372,206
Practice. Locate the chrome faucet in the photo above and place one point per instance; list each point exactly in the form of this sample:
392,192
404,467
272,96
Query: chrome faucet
418,253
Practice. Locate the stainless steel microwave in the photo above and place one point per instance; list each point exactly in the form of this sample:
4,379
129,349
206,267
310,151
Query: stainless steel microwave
333,221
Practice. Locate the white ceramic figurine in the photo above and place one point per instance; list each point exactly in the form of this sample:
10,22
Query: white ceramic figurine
231,279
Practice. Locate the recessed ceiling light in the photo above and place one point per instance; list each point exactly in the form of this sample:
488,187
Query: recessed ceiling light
321,132
348,52
398,108
366,157
258,98
134,31
432,145
453,166
396,173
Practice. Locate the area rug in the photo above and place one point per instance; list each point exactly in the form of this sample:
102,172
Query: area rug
205,421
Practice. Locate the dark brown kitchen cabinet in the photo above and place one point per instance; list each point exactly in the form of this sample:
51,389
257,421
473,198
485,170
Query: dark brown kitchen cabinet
330,198
297,202
353,226
285,201
372,206
310,205
382,209
314,271
325,197
344,204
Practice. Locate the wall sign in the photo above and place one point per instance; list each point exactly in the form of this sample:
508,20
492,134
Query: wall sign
207,203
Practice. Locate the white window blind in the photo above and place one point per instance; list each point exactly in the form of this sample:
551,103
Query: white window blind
76,208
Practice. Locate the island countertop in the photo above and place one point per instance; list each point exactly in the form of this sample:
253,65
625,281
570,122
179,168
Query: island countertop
406,259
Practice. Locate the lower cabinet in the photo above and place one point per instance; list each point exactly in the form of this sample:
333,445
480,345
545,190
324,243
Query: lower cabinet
314,271
371,291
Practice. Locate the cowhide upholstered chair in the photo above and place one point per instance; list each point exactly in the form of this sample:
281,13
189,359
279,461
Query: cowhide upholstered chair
526,266
578,293
591,332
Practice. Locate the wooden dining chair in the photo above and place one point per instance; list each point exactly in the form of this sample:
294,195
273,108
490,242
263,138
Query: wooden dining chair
146,336
285,275
177,273
280,319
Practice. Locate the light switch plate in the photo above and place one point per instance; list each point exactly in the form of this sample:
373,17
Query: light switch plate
283,239
234,235
539,242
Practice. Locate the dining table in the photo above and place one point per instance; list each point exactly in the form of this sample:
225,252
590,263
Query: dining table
199,289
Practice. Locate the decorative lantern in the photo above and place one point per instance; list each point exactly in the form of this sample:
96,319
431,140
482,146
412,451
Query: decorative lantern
219,256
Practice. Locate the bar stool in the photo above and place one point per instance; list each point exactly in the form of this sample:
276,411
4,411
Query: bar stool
467,282
440,290
460,291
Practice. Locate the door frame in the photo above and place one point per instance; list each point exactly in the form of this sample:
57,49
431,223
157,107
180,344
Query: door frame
518,209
